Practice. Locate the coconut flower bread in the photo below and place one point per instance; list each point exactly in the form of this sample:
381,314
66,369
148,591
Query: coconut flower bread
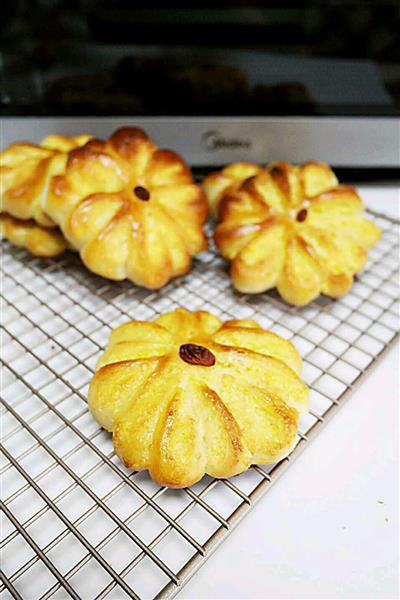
187,394
130,209
290,227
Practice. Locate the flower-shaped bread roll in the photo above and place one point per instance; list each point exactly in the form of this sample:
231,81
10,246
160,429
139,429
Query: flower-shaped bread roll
294,228
187,395
130,209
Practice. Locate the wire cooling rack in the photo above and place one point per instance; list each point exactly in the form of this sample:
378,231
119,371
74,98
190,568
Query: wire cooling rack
77,523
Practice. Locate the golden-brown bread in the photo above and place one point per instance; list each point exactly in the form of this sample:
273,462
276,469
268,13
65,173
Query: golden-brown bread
187,395
294,228
219,183
25,173
130,209
41,241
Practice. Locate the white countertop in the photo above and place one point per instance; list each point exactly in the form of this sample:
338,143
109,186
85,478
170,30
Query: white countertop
329,527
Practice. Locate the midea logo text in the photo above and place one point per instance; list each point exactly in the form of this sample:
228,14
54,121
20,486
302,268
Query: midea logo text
214,140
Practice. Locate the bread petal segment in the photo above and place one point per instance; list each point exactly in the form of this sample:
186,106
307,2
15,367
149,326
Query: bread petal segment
165,166
337,285
188,324
342,215
271,190
232,238
268,424
64,143
317,177
227,451
361,231
248,323
134,433
115,387
286,179
258,266
334,252
342,201
301,278
132,147
269,373
108,252
123,351
89,171
259,340
228,180
184,206
91,217
41,241
182,419
16,154
244,207
164,247
179,457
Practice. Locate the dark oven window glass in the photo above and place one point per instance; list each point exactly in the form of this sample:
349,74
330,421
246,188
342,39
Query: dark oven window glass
95,57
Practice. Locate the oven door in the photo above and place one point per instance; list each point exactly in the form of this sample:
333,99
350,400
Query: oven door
219,82
355,142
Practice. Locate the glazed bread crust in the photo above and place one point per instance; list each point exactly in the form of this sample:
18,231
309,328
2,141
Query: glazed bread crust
41,241
186,395
26,171
294,228
219,183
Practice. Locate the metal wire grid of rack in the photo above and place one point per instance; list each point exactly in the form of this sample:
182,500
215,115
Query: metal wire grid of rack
76,522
